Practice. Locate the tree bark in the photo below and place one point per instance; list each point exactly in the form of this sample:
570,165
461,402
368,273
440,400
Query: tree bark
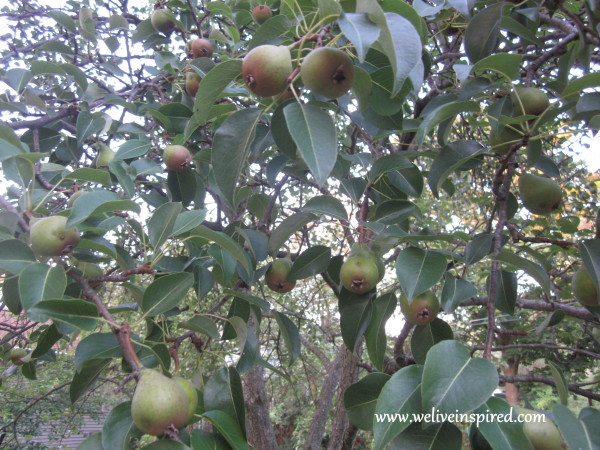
261,434
317,427
342,431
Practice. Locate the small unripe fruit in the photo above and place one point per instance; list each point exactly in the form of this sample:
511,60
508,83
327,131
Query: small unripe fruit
529,100
359,274
201,48
539,195
192,396
542,435
161,21
265,69
328,72
158,402
105,155
276,276
423,309
192,83
50,237
584,289
261,14
177,158
18,356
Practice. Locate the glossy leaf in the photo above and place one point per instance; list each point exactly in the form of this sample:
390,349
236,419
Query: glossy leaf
360,399
575,432
226,243
590,254
453,381
560,382
291,335
166,292
534,270
118,427
86,375
454,292
445,436
223,392
478,247
451,156
355,315
96,203
418,270
162,222
134,148
313,131
328,205
482,33
38,282
506,291
228,428
360,31
79,313
506,433
375,336
313,261
99,346
15,255
288,227
426,336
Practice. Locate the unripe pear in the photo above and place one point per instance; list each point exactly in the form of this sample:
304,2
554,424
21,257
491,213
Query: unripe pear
423,309
359,274
192,83
327,71
201,48
161,21
529,100
18,356
539,195
265,69
542,435
276,276
359,250
158,402
49,236
504,140
104,156
177,157
261,14
584,289
192,396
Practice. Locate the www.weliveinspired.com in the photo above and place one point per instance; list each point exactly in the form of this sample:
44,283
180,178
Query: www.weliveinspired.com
477,418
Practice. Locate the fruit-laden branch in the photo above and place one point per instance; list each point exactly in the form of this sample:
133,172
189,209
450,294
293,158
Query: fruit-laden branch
539,305
550,382
122,332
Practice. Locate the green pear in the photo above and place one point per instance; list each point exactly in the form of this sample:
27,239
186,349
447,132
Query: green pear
423,309
265,69
359,274
161,21
543,435
540,195
360,250
192,83
104,156
584,289
19,356
502,141
529,100
192,396
327,71
49,236
158,402
261,14
177,158
276,276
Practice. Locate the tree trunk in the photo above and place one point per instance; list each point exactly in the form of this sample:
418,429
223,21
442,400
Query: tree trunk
342,431
261,434
510,389
317,427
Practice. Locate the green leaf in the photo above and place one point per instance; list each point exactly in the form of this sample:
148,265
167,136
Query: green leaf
187,220
63,19
223,392
534,270
360,399
562,387
100,176
98,346
506,291
360,31
96,203
231,146
454,292
15,255
507,433
355,315
576,433
162,222
313,131
202,440
426,336
483,32
478,247
590,254
326,204
228,428
400,395
576,85
79,313
50,336
134,148
444,436
455,154
375,337
118,427
166,292
18,78
226,243
291,336
418,270
211,88
92,442
312,261
38,282
271,32
450,373
507,64
86,376
87,124
201,324
288,227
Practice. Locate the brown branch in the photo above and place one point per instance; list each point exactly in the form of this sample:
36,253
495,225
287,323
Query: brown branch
518,236
550,382
544,346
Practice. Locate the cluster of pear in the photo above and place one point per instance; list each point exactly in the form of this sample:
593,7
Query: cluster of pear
50,236
276,276
326,71
361,272
160,402
526,101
